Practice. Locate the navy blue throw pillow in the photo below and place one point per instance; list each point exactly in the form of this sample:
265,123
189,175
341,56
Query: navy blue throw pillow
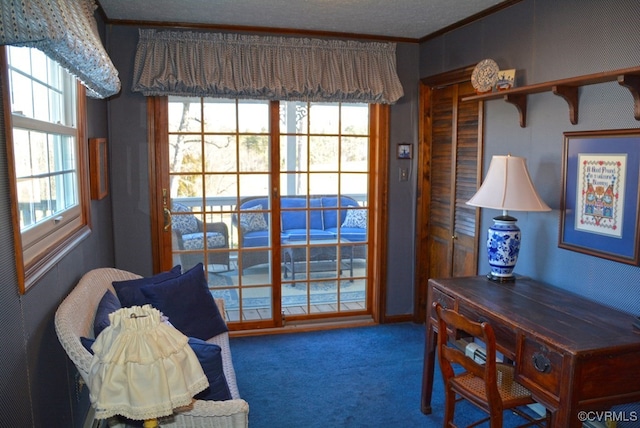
109,303
211,361
87,342
188,303
129,291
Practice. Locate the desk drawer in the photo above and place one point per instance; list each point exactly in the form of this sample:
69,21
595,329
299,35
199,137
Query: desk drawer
444,299
505,336
541,365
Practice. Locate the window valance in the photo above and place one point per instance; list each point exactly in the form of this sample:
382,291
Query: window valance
259,67
66,31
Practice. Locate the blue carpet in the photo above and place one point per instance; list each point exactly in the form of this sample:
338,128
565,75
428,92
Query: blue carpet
355,377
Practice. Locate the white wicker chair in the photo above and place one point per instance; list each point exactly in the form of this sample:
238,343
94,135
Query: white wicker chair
74,319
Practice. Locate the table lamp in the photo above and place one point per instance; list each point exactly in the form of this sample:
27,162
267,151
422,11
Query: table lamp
142,367
507,187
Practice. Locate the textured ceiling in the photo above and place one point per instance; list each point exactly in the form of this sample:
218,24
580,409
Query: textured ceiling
405,19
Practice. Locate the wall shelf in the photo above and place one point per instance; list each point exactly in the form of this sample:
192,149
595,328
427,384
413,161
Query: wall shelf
568,89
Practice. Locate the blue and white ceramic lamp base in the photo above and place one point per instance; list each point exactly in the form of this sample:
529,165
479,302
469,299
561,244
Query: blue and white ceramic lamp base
503,246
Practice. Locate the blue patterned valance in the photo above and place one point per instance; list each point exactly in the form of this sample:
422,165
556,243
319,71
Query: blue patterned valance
259,67
66,31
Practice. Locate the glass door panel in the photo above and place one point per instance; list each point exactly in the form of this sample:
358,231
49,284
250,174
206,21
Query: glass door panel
324,263
219,157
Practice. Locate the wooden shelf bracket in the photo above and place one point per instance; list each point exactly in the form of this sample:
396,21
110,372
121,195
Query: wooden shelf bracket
632,82
570,94
520,101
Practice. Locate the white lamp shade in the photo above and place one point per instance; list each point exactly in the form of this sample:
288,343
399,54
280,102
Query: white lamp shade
508,187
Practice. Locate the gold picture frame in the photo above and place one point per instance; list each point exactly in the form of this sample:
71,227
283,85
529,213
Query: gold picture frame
98,170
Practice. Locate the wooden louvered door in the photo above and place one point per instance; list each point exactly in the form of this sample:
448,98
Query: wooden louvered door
450,155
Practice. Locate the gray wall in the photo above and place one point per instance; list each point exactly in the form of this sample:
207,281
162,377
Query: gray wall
547,40
130,178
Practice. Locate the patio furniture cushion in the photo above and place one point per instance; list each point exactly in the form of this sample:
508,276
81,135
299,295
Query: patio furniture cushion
297,218
184,223
356,218
195,241
188,303
253,221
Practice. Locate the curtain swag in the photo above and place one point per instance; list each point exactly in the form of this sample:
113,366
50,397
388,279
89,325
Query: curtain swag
66,31
241,66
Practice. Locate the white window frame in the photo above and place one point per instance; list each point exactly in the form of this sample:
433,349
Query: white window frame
40,245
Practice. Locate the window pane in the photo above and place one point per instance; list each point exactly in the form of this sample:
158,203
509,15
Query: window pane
254,153
220,153
185,153
355,154
324,153
39,65
21,95
219,115
41,107
354,119
324,118
293,117
253,116
184,115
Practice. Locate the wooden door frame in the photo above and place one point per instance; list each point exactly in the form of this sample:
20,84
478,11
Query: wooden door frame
423,203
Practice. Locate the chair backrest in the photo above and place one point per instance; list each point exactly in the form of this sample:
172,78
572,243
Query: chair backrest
459,325
74,317
184,223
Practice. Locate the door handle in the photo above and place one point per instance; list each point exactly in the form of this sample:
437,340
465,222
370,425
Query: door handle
167,219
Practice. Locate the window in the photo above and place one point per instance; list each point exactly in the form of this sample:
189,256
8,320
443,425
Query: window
48,161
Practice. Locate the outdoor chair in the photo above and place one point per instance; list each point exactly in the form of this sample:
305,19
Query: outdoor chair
190,234
490,385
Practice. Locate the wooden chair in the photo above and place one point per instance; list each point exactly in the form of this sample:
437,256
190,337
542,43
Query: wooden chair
489,386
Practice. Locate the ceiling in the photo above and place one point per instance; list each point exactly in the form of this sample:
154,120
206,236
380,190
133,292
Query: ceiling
385,19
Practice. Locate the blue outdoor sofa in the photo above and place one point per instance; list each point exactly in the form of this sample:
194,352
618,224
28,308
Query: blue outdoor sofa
329,216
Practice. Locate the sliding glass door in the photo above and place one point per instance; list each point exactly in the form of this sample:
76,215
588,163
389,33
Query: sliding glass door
281,229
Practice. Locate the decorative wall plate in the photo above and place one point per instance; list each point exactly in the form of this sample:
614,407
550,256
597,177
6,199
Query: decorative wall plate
485,75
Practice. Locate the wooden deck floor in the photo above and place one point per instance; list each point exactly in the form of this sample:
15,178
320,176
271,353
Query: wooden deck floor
259,275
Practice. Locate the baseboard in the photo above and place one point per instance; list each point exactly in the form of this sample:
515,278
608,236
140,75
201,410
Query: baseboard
389,319
311,325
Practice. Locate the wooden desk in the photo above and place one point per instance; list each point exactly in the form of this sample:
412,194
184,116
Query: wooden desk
572,353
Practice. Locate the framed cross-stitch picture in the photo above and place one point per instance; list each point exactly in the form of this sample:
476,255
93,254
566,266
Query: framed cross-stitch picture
599,204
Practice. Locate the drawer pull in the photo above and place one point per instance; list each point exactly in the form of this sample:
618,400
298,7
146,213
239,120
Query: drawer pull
541,362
